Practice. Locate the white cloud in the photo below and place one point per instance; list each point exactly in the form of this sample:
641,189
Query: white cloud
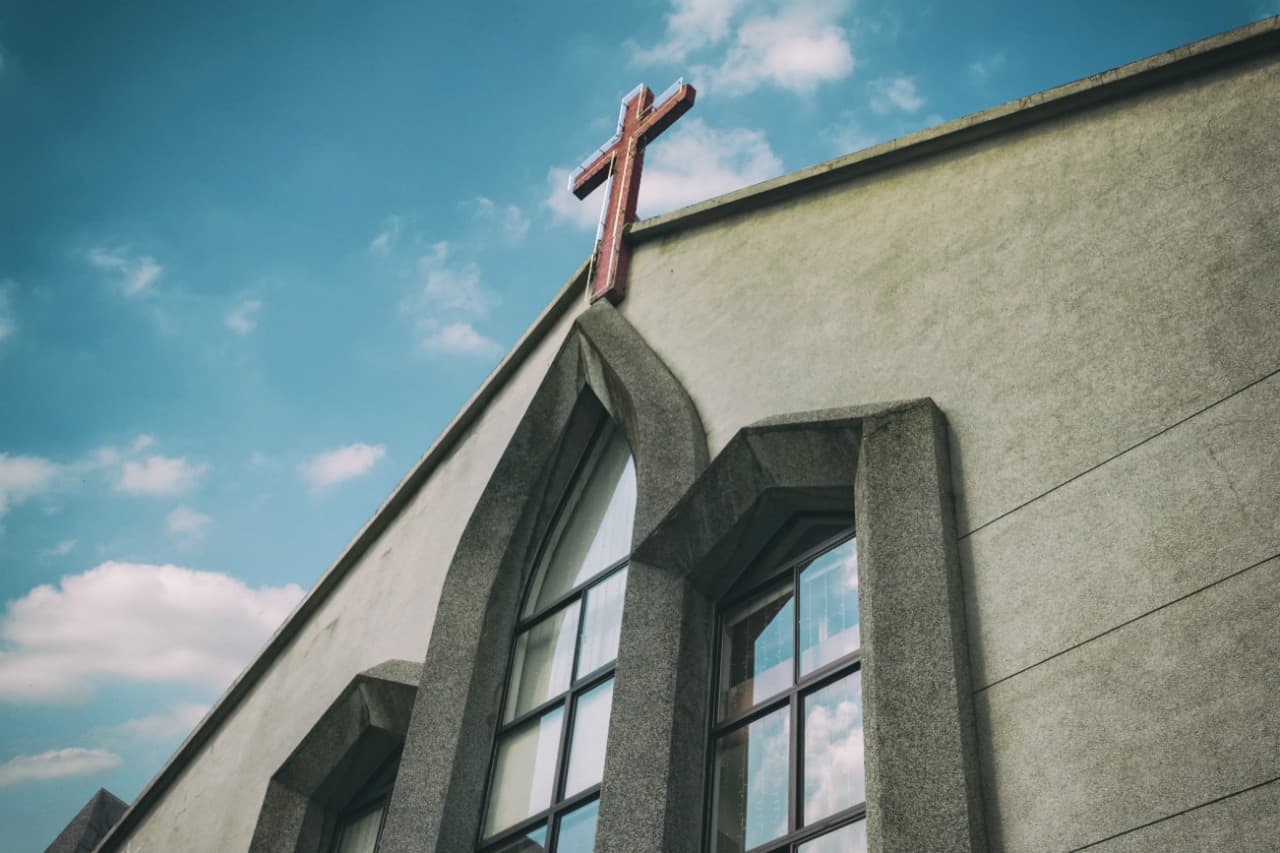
798,49
691,25
691,163
386,239
136,622
7,324
187,525
565,206
340,465
258,459
850,135
453,287
460,339
159,475
141,443
698,162
243,318
505,220
743,45
56,764
172,724
982,69
895,93
25,477
136,274
62,549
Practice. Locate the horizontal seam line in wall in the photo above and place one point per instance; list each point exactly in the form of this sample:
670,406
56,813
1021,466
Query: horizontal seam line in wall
1130,621
1118,454
1176,814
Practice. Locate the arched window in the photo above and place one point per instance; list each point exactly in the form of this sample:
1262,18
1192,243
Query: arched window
549,752
786,737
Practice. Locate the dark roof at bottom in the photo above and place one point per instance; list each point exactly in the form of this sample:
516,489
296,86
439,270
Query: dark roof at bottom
89,826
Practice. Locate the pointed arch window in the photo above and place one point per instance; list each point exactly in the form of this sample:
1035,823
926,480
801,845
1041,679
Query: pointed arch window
548,758
786,738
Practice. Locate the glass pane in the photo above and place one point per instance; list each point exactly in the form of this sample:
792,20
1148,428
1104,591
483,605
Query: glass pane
534,841
590,734
543,664
602,623
578,829
751,770
829,607
850,838
524,774
598,531
756,658
360,834
834,778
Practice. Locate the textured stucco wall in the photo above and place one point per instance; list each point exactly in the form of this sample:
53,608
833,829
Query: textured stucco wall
1090,301
384,609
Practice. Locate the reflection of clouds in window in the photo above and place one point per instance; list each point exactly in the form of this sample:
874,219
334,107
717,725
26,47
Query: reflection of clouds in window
598,530
758,654
590,731
851,838
767,768
543,662
833,753
602,624
829,607
751,783
524,771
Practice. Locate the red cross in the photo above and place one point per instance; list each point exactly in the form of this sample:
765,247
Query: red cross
621,159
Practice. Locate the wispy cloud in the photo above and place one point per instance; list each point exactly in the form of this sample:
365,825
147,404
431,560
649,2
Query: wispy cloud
187,525
850,134
243,318
135,274
25,477
507,221
174,723
8,325
459,339
746,45
890,94
62,549
337,466
162,623
159,476
452,286
981,69
691,163
387,238
56,764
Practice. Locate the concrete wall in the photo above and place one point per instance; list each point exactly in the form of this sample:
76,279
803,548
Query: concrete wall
383,609
1093,302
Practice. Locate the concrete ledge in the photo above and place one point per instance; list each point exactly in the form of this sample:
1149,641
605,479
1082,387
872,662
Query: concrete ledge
358,733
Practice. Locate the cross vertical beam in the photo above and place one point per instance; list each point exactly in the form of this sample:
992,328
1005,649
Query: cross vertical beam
620,161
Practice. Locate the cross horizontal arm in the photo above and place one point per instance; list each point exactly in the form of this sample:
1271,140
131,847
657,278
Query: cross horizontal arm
665,114
594,174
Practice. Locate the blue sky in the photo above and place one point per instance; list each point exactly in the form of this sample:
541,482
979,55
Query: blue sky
255,255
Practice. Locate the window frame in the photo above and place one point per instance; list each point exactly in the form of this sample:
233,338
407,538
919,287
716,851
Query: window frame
550,817
788,569
375,794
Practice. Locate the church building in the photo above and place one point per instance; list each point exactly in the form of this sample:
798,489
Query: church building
926,500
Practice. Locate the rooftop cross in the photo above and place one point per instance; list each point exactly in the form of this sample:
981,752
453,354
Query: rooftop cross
619,161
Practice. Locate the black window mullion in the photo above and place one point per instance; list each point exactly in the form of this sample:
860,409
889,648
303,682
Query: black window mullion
794,765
